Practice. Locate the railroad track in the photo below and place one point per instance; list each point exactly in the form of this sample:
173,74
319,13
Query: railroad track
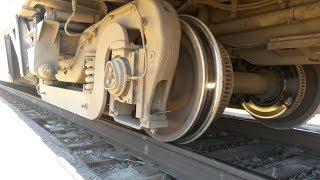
233,149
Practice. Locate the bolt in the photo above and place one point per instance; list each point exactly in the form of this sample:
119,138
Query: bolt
288,102
153,130
144,21
85,106
151,56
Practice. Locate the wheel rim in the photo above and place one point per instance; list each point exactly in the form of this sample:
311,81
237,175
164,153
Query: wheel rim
179,101
309,105
198,87
287,98
219,81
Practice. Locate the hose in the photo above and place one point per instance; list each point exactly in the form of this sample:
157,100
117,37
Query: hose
74,9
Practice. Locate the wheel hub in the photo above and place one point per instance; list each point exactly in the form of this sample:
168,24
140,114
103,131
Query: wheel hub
117,77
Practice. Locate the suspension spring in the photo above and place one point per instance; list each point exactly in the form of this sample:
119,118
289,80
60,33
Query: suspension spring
89,72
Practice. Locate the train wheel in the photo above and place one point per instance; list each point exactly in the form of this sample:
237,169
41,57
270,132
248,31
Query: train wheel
202,85
297,102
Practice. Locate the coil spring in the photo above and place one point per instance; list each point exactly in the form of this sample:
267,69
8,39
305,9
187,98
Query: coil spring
89,72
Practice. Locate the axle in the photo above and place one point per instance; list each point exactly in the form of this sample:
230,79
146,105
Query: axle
254,83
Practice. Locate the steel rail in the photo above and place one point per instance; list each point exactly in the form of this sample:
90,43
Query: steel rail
173,160
300,136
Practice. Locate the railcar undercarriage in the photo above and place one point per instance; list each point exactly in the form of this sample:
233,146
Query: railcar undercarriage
171,67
